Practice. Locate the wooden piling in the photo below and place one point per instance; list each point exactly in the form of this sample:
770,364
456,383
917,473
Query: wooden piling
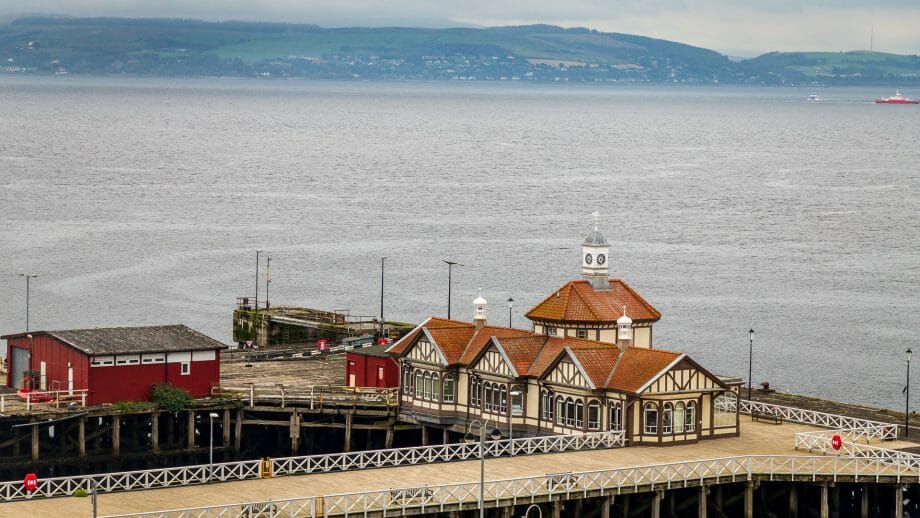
749,499
793,501
656,503
864,502
349,417
702,508
294,431
190,429
388,442
34,442
155,432
226,427
116,436
424,435
825,509
238,439
81,436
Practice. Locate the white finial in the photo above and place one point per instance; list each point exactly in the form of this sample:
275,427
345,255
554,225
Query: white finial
624,310
596,215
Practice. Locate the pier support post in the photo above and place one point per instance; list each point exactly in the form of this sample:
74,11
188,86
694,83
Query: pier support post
606,504
295,432
190,429
555,509
898,501
388,443
348,421
81,437
701,507
238,439
34,442
116,436
226,427
656,503
864,501
155,432
507,511
793,501
424,435
749,499
825,509
445,436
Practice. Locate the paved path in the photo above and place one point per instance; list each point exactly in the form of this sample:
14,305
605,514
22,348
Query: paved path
756,438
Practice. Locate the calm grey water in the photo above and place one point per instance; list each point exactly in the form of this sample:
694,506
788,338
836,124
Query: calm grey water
141,201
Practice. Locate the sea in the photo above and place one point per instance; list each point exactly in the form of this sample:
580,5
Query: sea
142,201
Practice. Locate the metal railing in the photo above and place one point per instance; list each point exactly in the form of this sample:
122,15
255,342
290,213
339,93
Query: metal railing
42,400
515,491
305,465
314,397
884,431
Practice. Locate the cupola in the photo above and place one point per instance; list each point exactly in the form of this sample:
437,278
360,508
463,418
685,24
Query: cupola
624,330
479,310
594,252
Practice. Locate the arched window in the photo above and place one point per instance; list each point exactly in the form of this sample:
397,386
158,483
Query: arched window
419,384
666,415
725,410
517,400
678,417
449,388
570,412
650,418
427,392
616,416
690,417
503,408
435,387
546,403
594,415
487,396
407,380
475,391
579,414
560,410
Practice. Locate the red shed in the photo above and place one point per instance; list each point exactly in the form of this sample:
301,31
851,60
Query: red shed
371,367
115,364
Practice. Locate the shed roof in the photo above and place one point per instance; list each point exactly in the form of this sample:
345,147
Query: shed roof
132,340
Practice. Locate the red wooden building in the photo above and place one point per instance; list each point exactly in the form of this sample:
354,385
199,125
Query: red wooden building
114,364
371,367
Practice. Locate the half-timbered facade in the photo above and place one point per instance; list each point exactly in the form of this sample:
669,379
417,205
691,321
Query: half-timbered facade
534,382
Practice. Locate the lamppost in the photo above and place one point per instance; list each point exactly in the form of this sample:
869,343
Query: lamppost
450,265
482,459
211,417
382,259
255,303
29,374
268,277
28,277
907,398
510,305
750,361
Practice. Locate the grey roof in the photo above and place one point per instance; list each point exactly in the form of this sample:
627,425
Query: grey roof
379,351
125,340
595,238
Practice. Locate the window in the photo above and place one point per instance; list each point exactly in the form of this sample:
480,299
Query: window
581,333
426,392
419,385
546,404
616,417
503,409
594,415
475,392
487,396
579,414
435,387
651,419
186,368
549,330
679,418
666,415
449,388
517,400
570,412
690,417
407,380
725,414
380,373
560,410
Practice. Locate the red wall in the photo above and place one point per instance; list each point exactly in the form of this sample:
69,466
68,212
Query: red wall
133,382
365,370
57,357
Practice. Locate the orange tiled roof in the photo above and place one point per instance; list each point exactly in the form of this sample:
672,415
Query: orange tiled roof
577,301
482,337
638,366
522,350
450,331
597,362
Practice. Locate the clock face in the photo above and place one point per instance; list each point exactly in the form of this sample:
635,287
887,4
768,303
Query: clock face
601,259
588,259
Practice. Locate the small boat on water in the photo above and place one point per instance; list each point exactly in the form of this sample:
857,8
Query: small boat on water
34,396
814,97
897,99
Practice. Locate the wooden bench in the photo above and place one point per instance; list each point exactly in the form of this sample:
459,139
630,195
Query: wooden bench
775,419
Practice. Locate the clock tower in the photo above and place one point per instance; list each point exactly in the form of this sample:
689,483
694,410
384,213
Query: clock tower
594,256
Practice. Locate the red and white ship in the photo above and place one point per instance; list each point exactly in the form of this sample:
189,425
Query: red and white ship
897,99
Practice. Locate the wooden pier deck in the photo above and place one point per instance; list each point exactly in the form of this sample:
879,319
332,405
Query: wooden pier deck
756,438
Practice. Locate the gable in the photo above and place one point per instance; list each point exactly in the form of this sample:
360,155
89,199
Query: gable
567,373
425,351
494,362
685,376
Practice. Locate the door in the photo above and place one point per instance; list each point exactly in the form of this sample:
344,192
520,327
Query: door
19,366
43,377
380,381
70,381
351,374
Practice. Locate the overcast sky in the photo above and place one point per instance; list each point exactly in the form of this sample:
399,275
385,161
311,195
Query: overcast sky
734,27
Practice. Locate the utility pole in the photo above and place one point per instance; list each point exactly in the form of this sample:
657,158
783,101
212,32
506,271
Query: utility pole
28,277
268,277
450,265
382,259
750,361
255,303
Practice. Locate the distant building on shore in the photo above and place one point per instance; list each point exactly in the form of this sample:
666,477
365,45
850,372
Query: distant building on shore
588,364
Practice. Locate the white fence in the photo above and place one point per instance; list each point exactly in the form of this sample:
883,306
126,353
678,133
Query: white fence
884,431
222,472
516,491
42,400
315,396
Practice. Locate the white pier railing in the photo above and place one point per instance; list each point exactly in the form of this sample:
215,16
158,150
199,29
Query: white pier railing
304,465
516,491
878,429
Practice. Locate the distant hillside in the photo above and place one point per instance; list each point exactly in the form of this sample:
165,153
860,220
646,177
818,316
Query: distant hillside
840,67
45,44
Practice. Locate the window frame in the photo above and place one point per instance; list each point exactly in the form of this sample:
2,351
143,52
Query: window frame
650,419
594,415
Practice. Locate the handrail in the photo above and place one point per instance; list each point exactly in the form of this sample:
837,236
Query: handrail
512,491
42,399
884,431
313,395
304,465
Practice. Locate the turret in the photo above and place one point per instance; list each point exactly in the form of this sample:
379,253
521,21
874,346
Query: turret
479,311
624,331
594,252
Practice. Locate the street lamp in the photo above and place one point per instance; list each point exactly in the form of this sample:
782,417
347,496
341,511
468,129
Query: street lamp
382,259
750,361
211,417
255,303
28,277
450,265
268,277
907,398
510,305
533,506
482,459
29,374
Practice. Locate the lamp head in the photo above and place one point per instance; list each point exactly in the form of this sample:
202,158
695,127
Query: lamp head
751,334
213,415
909,353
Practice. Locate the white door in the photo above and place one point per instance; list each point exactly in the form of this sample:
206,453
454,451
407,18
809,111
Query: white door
70,381
351,379
42,383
